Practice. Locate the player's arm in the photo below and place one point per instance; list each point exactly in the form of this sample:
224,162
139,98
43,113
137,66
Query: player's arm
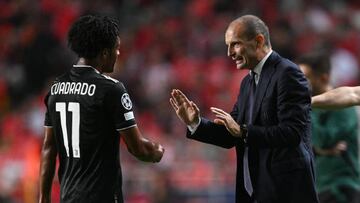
140,147
337,98
47,166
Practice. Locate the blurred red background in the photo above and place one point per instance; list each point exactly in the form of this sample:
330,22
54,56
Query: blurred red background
164,45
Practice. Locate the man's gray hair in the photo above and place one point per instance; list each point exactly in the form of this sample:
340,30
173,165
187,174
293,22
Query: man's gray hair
255,26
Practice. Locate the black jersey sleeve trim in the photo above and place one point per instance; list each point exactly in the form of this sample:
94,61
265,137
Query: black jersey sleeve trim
48,126
126,127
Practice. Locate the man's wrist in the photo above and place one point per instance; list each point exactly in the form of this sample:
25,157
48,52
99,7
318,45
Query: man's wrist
192,127
243,132
196,123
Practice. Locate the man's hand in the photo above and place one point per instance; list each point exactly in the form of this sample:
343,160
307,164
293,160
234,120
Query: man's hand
225,119
186,110
140,147
160,150
337,150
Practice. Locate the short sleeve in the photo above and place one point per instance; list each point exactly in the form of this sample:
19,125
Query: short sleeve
120,107
47,121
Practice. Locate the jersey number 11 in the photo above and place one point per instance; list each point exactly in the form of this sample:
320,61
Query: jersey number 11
74,107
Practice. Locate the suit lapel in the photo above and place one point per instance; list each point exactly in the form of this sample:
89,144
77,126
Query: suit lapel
244,93
265,78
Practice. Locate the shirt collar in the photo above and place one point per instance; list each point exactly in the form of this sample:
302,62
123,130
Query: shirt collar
86,66
258,68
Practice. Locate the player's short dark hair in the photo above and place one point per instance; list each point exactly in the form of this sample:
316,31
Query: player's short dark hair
91,34
319,62
255,26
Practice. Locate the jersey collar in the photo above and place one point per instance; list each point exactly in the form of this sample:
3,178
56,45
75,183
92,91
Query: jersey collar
86,66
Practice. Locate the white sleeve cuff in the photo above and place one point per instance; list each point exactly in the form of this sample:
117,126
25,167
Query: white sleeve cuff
193,128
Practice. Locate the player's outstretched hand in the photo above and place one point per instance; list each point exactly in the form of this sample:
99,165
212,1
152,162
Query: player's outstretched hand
224,118
185,109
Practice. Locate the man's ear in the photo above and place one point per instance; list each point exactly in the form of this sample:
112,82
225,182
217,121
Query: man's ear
260,40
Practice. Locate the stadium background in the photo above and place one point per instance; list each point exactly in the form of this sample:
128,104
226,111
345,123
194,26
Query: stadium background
165,44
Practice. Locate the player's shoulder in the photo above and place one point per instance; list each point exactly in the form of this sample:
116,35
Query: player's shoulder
110,81
110,84
58,79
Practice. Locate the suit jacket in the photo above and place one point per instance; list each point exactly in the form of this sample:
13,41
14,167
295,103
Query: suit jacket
280,157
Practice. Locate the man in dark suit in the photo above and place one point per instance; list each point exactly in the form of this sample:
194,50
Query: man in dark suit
269,124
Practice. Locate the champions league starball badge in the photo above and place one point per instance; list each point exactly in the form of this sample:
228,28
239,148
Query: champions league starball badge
125,101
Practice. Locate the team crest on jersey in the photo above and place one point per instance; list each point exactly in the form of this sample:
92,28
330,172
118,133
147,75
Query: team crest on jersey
125,101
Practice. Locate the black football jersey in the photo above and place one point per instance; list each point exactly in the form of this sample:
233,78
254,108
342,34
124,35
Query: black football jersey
86,111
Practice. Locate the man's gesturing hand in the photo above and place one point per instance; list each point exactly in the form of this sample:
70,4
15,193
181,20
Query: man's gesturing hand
225,119
186,110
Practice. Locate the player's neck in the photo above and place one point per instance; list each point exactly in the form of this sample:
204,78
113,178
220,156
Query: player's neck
90,62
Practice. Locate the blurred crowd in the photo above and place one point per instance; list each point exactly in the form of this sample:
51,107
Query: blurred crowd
165,44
